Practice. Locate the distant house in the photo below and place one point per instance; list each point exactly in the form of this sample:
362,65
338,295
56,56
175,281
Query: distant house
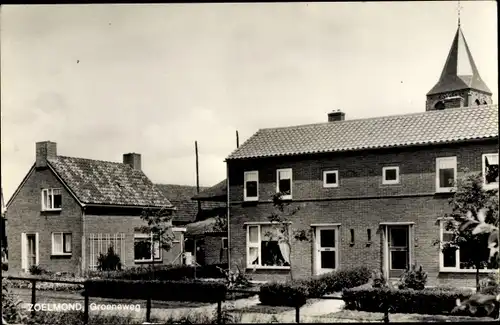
203,238
372,191
209,234
68,210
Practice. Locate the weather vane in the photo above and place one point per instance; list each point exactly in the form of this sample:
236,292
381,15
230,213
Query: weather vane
458,10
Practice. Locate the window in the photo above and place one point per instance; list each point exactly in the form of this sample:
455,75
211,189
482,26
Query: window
331,178
284,183
390,175
455,259
490,170
251,186
51,199
439,105
369,235
100,243
352,236
61,243
446,174
224,243
142,248
266,247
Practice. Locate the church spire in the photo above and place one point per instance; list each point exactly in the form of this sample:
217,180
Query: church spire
459,78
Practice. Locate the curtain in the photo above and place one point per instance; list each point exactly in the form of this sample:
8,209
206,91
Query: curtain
285,251
254,255
58,243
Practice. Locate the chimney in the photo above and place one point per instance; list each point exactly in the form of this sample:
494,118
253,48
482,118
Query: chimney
133,160
45,150
335,116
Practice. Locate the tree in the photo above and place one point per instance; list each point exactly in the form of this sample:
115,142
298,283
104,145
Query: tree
472,223
159,224
282,232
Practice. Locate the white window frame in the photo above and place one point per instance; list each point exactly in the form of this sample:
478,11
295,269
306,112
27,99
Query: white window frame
390,182
284,197
50,192
483,164
455,269
445,189
246,174
329,185
63,234
258,246
150,237
222,242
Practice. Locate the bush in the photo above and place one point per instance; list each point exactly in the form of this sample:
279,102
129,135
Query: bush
413,278
337,281
187,290
12,312
292,294
490,285
38,270
429,301
109,262
378,279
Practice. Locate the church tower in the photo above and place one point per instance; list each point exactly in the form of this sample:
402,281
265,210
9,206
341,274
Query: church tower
460,84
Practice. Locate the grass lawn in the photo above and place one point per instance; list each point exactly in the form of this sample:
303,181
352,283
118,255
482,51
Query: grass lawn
363,316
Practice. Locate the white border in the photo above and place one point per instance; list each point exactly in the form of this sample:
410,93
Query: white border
390,182
330,185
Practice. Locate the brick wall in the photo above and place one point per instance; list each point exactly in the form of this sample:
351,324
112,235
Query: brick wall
469,97
111,224
213,250
24,215
361,202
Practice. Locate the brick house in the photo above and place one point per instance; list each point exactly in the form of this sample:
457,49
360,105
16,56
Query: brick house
372,191
68,210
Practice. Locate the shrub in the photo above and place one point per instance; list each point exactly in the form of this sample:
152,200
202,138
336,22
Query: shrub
12,312
187,290
109,262
413,278
38,270
430,301
378,279
337,281
283,294
76,318
490,285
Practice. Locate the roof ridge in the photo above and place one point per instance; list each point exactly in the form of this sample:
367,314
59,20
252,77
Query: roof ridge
436,112
89,159
165,184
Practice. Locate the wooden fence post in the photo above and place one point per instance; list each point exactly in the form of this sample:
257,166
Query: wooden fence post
297,314
148,310
219,312
386,312
85,305
33,297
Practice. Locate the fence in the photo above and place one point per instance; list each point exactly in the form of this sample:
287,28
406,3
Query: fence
148,301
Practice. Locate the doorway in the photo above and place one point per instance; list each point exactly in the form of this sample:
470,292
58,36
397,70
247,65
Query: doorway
326,244
398,250
31,250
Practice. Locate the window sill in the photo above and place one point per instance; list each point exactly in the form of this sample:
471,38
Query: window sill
250,199
148,261
251,267
330,185
466,270
392,183
51,210
446,190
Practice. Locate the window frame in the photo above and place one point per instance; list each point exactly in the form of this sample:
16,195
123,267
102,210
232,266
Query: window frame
483,164
150,236
250,198
289,196
440,189
63,238
384,174
222,243
50,192
258,245
331,185
456,268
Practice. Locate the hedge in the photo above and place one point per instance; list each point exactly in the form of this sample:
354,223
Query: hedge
337,281
187,290
431,301
275,294
283,294
163,272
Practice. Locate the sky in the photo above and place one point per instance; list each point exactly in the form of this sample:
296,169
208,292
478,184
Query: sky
102,80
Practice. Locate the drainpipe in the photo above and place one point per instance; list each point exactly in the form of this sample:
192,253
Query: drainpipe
228,208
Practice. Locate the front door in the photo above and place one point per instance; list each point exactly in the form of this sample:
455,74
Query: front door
326,249
31,249
399,249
